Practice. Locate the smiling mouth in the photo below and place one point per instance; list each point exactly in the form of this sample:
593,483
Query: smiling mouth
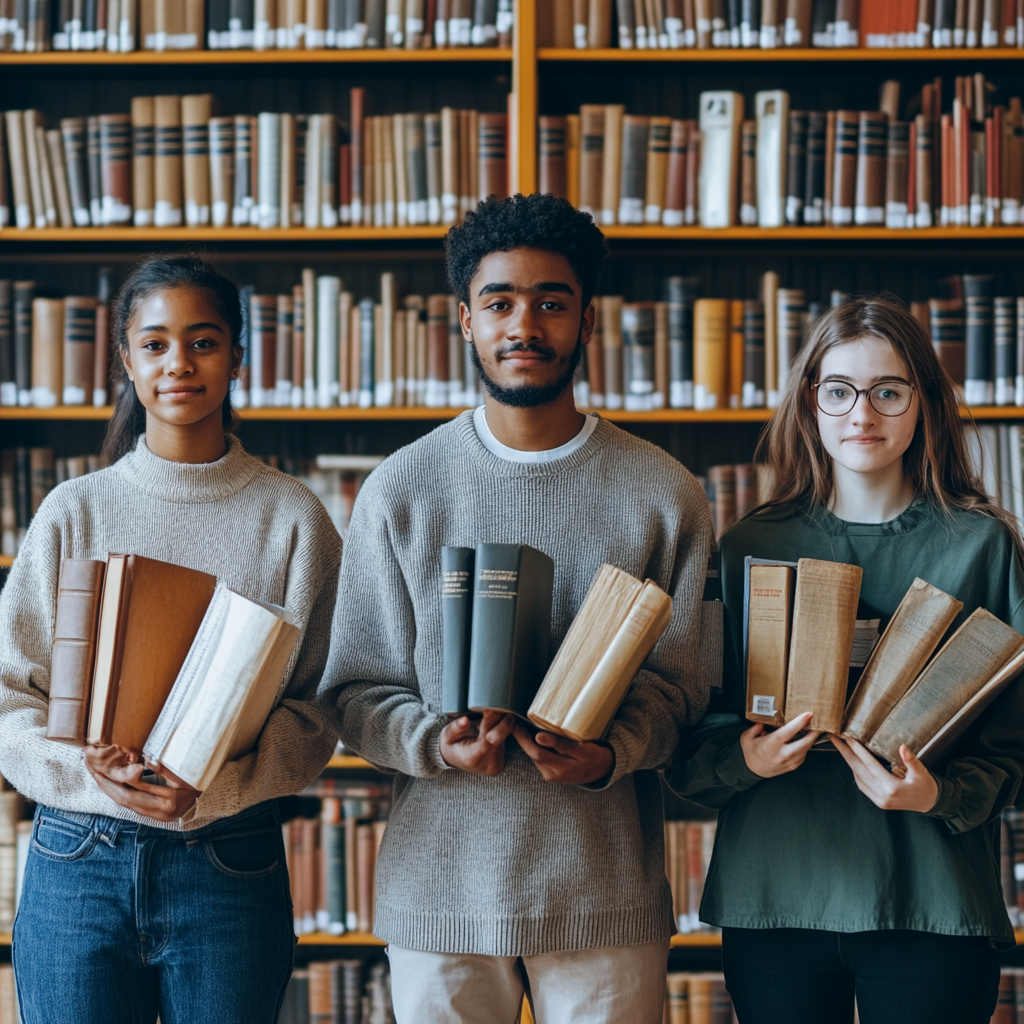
865,439
181,391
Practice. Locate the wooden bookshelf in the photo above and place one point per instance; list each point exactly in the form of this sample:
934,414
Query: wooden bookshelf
348,761
6,561
150,58
784,55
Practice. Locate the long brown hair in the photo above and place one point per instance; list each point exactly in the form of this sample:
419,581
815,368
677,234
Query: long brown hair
936,463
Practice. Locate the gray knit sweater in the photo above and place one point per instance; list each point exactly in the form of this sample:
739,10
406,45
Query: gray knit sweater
263,533
511,864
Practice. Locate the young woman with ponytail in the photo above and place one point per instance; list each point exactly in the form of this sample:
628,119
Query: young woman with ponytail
141,896
831,877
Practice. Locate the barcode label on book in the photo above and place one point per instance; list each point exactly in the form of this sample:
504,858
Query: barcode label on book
763,705
865,636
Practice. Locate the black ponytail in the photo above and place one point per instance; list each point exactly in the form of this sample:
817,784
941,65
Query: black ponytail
155,273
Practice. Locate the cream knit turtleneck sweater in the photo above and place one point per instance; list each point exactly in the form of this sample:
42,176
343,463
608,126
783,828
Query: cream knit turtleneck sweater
261,532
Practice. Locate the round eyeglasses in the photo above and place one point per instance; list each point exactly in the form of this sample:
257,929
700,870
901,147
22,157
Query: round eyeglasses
887,398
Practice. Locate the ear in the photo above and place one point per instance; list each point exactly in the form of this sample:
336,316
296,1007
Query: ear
588,323
236,361
465,322
126,358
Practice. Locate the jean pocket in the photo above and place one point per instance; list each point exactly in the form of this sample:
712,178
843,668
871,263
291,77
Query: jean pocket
247,854
59,839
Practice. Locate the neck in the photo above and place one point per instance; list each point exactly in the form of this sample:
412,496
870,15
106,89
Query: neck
870,497
536,428
193,442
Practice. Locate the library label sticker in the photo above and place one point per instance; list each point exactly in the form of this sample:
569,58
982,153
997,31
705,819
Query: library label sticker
764,705
865,636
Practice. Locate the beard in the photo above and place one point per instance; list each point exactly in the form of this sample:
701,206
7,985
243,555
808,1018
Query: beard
526,396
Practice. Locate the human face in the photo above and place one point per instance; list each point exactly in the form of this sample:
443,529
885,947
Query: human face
862,440
180,356
526,323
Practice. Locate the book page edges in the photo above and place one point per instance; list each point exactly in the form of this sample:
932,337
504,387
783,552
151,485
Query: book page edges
872,700
108,629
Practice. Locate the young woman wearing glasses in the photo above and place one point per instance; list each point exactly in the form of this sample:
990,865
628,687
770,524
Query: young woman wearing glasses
831,876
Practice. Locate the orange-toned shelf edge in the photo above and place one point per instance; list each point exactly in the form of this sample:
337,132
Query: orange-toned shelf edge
783,55
150,57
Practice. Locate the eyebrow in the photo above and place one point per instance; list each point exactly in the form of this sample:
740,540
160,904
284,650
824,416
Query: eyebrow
874,380
191,327
543,286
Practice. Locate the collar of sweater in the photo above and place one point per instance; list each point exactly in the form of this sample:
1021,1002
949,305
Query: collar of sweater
188,482
486,459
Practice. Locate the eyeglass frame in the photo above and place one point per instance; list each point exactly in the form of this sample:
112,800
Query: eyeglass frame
865,391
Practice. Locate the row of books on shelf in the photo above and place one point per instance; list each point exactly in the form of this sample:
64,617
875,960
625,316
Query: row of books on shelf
342,991
121,26
688,846
172,161
963,167
697,997
771,24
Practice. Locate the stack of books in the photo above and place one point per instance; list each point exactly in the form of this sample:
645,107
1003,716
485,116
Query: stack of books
348,991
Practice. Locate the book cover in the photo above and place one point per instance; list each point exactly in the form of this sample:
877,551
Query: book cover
457,582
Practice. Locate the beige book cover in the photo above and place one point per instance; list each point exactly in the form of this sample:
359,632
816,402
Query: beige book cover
167,169
611,169
55,151
824,621
591,158
611,345
971,657
31,119
143,150
658,137
196,112
616,628
769,620
710,353
23,216
909,640
47,351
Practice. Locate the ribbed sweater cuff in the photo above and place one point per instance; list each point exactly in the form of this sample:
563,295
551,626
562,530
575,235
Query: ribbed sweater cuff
733,770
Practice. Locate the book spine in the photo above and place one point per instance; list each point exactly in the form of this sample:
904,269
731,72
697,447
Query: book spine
195,116
167,168
592,126
222,170
611,344
753,355
1004,315
658,138
101,365
47,352
552,156
457,579
633,170
24,295
29,119
979,378
612,165
328,170
814,175
269,178
8,384
493,161
748,173
691,203
946,318
366,352
869,204
328,289
897,175
58,166
243,198
46,177
116,168
638,355
680,293
710,350
796,186
844,187
79,349
94,168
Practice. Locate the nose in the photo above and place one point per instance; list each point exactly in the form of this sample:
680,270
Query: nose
863,411
524,324
179,363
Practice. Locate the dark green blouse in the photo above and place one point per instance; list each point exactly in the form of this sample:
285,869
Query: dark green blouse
807,849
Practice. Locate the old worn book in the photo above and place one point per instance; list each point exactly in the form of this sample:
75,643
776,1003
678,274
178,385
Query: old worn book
222,170
674,212
457,582
143,155
872,144
592,127
710,353
551,165
896,175
909,640
979,387
971,658
227,686
844,177
47,351
196,111
511,626
79,349
768,620
824,622
618,625
659,132
167,166
149,615
611,169
772,108
492,174
73,136
74,648
116,168
58,168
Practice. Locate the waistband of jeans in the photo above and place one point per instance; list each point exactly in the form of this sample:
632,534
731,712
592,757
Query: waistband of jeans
110,826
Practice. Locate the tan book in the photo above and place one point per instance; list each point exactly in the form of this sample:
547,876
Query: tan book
592,127
599,24
831,120
611,169
328,170
972,658
449,165
611,345
616,628
167,169
47,351
116,168
222,170
101,365
143,154
401,170
23,216
287,170
58,167
769,617
710,353
844,182
46,178
872,151
472,164
824,621
673,213
561,12
386,153
909,640
770,298
150,612
196,112
661,355
31,119
79,349
492,156
659,132
309,307
633,170
572,158
551,162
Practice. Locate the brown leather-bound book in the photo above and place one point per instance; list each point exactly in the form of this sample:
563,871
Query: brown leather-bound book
909,640
143,155
79,349
449,165
74,648
366,857
23,215
924,194
971,658
262,350
222,171
710,353
722,495
72,130
599,24
661,356
58,168
831,119
46,177
847,23
561,27
552,156
947,331
149,616
322,1008
167,168
769,622
47,351
748,173
770,300
659,132
896,170
772,23
844,187
31,119
796,166
611,170
592,126
437,350
675,176
704,10
356,107
492,134
869,205
825,606
116,167
195,121
101,364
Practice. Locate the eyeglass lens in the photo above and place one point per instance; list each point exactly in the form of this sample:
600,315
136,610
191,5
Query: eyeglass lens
888,398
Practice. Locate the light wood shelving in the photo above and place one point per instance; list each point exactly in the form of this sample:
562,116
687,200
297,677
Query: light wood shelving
348,761
784,55
147,58
6,561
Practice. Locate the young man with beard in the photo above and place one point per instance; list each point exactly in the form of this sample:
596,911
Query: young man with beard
517,860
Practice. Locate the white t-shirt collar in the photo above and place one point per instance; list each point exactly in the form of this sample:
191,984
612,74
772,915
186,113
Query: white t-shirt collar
493,445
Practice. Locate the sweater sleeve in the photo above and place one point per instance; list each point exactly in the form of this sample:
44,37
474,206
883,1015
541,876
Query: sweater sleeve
40,769
370,686
672,688
298,738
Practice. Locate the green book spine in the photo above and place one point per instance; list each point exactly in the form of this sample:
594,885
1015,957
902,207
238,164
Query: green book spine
333,839
511,626
456,622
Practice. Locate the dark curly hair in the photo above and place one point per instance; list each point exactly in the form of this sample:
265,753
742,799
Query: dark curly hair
538,221
151,274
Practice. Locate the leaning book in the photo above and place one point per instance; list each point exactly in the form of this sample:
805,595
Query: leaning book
225,689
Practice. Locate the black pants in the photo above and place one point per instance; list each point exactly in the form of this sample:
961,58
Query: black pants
803,976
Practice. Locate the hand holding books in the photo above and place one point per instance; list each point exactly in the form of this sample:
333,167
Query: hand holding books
917,790
780,751
119,774
477,745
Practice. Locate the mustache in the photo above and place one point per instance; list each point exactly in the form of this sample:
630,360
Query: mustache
533,347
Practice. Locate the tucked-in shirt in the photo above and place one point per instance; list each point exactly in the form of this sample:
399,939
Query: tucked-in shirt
263,533
807,849
510,864
503,451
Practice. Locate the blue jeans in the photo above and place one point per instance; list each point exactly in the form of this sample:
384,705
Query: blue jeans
119,921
